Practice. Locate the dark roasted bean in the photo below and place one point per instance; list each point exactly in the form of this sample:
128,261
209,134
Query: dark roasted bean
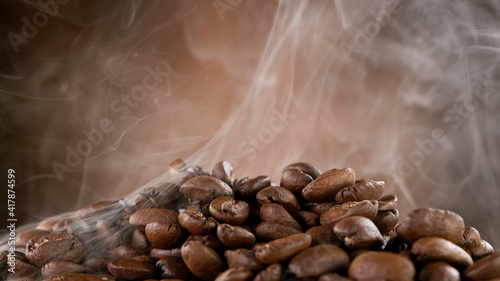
381,266
205,188
363,189
270,231
174,267
485,268
235,236
23,237
131,269
223,170
325,187
438,271
317,260
54,268
295,180
247,188
279,195
306,168
57,246
165,235
242,258
125,252
275,213
359,233
272,273
201,260
364,208
282,249
438,249
235,274
386,220
144,216
196,223
227,210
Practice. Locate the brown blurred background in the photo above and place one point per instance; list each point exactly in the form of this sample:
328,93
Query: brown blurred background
98,97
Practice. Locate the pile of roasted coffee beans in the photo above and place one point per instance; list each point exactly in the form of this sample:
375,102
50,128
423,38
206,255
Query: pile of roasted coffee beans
211,226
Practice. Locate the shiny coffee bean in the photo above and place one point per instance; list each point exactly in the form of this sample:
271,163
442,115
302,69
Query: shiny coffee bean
381,266
306,168
234,236
363,189
364,208
56,246
325,187
196,223
158,253
242,258
485,268
200,206
205,188
388,202
208,240
145,258
282,249
279,195
82,277
476,248
320,208
247,188
275,213
438,271
323,235
125,252
307,219
227,210
144,216
359,233
97,265
174,267
201,260
23,267
23,237
268,231
386,220
235,274
438,249
429,222
54,268
272,273
295,180
165,235
223,170
317,260
140,241
166,195
131,269
470,233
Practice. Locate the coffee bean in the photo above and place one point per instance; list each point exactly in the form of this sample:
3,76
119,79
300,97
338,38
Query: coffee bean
201,206
429,222
306,168
282,249
144,216
295,180
242,258
106,234
223,170
196,223
205,188
166,196
235,274
485,268
56,246
439,249
23,267
381,266
227,210
158,253
320,208
54,268
317,260
235,236
280,195
165,235
365,208
363,189
388,202
270,231
476,248
23,237
131,269
275,213
174,267
333,277
386,220
125,252
82,277
323,235
97,265
470,233
201,260
208,240
325,187
307,219
359,233
438,271
247,188
272,273
140,241
180,171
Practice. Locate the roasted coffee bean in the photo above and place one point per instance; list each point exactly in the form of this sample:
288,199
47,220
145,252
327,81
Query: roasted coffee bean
174,267
305,167
476,248
429,222
200,206
205,188
140,241
144,216
295,180
388,202
268,231
158,253
207,240
54,268
242,258
131,269
235,236
317,260
56,246
22,267
359,233
165,235
280,195
23,237
227,210
485,268
282,249
145,258
97,265
386,220
470,233
363,189
125,252
333,277
381,266
275,213
180,171
235,274
164,196
364,208
307,219
223,170
201,260
272,273
438,271
320,208
323,235
82,277
196,223
325,187
247,188
438,249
